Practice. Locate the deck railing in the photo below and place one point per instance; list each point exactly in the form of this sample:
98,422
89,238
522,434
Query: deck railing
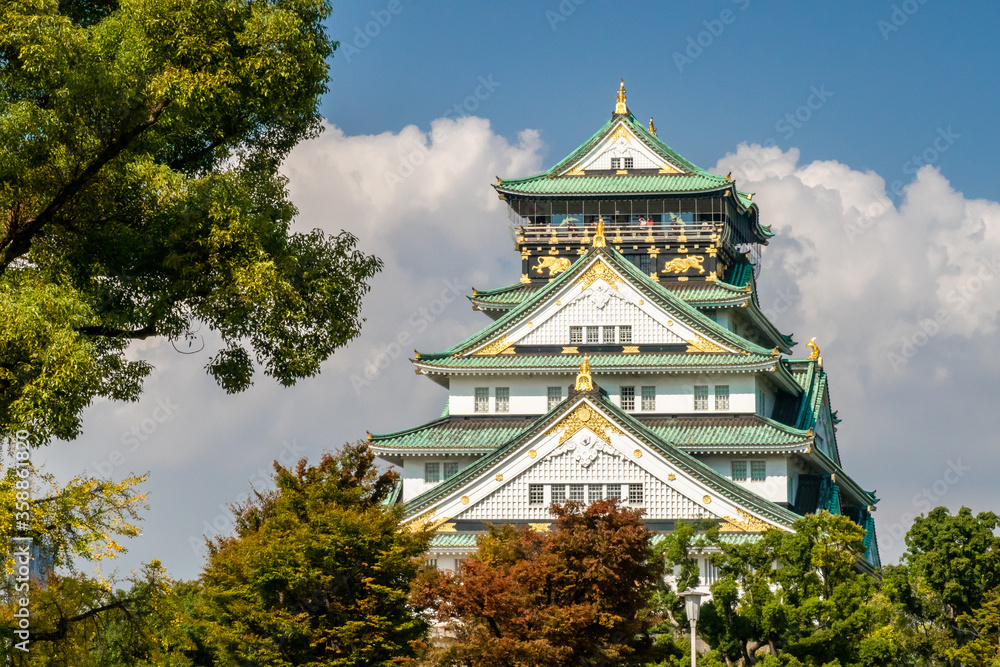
676,232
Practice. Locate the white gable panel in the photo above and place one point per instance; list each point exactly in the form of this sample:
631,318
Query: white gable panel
597,306
510,502
621,142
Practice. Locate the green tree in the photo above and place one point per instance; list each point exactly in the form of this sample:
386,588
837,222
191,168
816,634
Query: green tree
983,624
949,570
801,595
577,595
140,197
317,573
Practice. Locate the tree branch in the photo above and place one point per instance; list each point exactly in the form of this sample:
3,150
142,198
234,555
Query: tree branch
18,242
114,332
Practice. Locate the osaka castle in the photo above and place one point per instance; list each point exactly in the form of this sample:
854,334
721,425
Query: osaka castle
630,359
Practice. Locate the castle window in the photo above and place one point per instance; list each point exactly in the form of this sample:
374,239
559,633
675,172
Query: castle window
628,163
558,493
432,562
616,163
503,399
450,469
536,494
593,335
594,492
648,399
722,397
555,396
739,470
701,397
625,334
576,492
482,400
609,334
432,472
627,396
575,335
614,492
635,494
758,471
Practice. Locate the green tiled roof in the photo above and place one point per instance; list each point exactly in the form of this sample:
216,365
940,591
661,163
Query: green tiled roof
503,297
650,184
714,293
454,434
730,432
598,362
691,433
465,539
675,456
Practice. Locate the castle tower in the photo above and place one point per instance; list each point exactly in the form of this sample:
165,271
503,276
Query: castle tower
630,360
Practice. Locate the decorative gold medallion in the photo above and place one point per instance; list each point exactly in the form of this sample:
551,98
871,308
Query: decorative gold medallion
630,349
671,477
598,271
707,499
499,477
465,500
573,422
637,453
532,453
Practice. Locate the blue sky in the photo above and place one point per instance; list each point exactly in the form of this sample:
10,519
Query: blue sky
817,107
894,82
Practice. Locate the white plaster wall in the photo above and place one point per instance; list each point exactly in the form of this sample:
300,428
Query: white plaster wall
774,488
412,472
674,393
594,308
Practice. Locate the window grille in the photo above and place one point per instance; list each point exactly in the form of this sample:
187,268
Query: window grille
450,469
628,163
645,264
758,471
739,471
593,335
625,334
558,493
576,492
503,399
635,494
649,399
594,492
701,397
536,494
432,472
614,492
482,399
432,562
609,334
722,397
616,163
575,335
627,395
555,396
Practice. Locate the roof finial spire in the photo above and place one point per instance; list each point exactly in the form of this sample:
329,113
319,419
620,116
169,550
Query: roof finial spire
583,380
620,107
652,128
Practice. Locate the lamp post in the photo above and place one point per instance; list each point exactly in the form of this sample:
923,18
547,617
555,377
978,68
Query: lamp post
692,605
